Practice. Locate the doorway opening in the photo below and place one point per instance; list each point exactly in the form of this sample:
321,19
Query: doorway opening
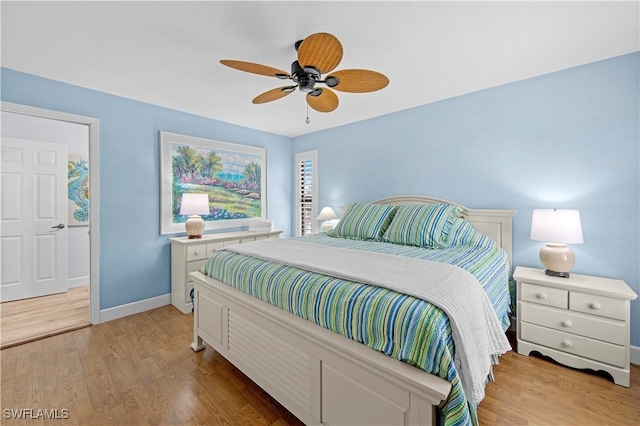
65,140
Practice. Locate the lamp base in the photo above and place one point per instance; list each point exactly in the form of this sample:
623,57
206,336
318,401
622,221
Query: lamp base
326,226
558,259
556,274
194,226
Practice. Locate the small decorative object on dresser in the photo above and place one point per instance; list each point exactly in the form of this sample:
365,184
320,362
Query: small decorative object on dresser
188,255
261,225
582,321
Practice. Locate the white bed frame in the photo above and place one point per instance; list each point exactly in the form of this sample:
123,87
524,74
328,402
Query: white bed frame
320,376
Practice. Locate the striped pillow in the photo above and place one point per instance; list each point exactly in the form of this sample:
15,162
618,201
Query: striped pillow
462,233
422,225
364,221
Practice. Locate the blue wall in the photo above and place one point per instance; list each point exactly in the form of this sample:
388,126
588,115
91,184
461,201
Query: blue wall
567,140
134,257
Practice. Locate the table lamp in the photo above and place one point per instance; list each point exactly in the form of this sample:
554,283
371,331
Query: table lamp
558,228
194,205
327,214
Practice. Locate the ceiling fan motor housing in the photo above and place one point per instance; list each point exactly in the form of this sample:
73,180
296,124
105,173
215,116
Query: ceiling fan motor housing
306,77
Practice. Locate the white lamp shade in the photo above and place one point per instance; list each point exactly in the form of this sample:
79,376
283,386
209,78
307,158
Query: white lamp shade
556,226
194,204
327,213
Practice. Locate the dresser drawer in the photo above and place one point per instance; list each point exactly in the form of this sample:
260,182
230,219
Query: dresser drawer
544,295
195,265
231,242
213,247
604,329
196,252
577,345
597,305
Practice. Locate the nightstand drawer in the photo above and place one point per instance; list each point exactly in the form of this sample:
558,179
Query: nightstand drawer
196,252
604,329
577,345
597,305
545,295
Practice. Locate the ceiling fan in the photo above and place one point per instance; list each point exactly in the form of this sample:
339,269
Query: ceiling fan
318,54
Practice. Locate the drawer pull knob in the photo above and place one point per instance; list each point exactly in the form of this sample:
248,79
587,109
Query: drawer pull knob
197,253
567,343
541,296
567,323
595,306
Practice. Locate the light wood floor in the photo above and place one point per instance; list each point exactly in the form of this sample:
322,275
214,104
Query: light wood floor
141,370
30,319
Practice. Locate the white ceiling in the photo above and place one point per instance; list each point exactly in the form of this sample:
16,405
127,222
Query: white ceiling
167,53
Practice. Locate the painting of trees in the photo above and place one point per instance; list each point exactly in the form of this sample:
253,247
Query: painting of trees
252,176
233,181
232,175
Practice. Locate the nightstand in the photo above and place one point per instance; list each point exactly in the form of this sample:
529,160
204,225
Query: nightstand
189,255
581,321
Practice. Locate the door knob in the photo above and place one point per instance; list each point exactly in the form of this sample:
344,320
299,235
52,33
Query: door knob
58,226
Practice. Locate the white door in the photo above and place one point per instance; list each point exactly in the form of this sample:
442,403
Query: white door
33,219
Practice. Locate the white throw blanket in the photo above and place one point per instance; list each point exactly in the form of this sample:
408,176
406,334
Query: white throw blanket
477,332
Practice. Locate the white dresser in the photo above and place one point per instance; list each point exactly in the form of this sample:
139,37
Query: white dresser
190,255
581,321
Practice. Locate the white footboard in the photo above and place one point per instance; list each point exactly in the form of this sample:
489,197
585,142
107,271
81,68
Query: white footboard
318,375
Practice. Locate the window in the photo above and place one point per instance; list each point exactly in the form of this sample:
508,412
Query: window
306,168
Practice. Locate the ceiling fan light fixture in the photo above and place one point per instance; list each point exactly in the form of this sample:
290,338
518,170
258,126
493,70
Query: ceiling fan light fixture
306,83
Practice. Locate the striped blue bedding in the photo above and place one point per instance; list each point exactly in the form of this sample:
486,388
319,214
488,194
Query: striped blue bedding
401,326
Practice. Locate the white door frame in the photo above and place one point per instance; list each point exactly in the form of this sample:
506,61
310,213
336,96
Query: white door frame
94,193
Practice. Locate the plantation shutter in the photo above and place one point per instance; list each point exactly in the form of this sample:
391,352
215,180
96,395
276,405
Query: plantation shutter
306,197
306,206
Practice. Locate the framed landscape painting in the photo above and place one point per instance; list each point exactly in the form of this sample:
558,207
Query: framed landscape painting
234,177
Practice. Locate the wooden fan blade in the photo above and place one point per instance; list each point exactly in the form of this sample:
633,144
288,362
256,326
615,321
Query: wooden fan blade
273,94
255,68
359,81
321,50
327,101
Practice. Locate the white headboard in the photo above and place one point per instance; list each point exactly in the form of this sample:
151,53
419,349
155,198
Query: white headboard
495,224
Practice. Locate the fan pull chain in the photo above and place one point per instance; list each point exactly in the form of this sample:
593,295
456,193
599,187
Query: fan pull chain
307,120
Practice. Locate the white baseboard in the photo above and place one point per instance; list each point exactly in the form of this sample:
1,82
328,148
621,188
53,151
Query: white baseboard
635,355
78,282
134,307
